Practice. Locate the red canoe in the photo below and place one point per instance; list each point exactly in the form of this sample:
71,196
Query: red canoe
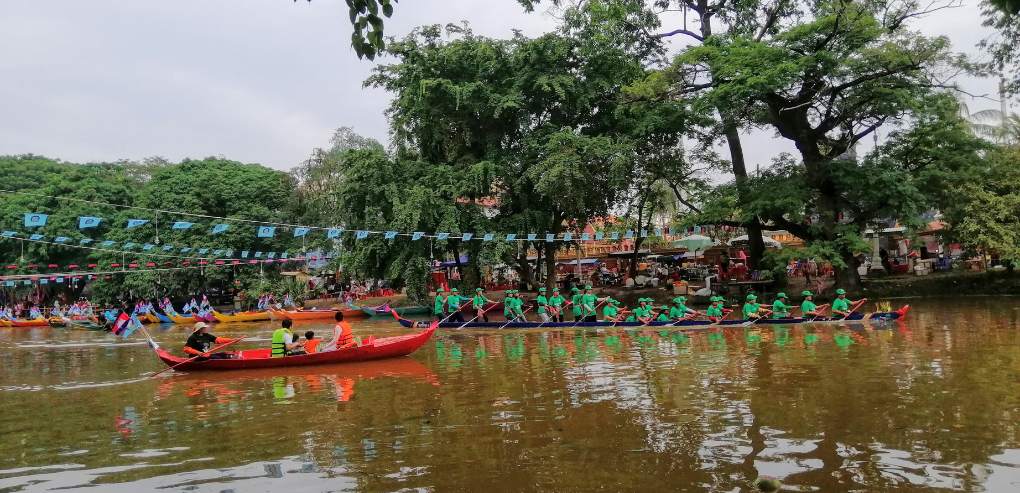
386,347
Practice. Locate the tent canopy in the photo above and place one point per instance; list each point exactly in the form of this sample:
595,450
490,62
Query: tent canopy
742,239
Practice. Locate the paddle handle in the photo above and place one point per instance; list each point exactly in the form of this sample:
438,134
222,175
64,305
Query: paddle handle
596,309
857,305
193,358
508,321
484,311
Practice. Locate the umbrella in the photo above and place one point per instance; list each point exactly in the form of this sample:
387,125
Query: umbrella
693,242
769,242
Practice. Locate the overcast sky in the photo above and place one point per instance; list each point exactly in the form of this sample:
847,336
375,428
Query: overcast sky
253,80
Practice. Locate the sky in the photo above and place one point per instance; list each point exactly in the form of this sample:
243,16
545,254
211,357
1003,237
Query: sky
261,81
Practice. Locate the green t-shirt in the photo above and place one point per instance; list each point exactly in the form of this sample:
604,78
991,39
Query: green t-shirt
557,301
663,317
780,309
750,309
610,311
575,304
478,301
438,308
508,307
453,302
678,311
542,302
714,310
589,301
808,306
840,305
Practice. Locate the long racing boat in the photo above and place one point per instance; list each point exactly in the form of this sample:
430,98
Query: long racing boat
854,317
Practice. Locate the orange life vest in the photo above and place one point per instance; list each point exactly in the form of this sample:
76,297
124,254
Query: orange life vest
311,345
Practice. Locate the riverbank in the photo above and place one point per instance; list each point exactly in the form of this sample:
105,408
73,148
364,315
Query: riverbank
944,284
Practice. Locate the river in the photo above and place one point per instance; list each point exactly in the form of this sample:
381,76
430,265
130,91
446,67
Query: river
930,404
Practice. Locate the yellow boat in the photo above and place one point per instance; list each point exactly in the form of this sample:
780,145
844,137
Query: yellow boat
253,316
177,319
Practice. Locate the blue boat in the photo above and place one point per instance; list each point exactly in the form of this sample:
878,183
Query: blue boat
854,317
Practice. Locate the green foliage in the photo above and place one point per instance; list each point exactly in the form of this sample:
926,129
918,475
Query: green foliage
1004,17
983,207
367,21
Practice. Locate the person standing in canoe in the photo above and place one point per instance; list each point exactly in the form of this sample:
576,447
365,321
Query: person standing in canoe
588,303
779,307
753,309
519,306
556,302
439,307
453,306
343,336
508,305
841,306
808,307
575,303
478,303
201,341
542,302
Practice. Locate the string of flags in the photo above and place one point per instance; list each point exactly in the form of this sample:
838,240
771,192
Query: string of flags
38,220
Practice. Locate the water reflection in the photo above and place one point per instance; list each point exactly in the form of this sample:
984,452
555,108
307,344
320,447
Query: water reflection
927,405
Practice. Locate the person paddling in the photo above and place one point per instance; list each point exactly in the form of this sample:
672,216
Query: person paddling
453,306
808,307
478,303
201,341
439,307
716,310
575,303
556,302
542,302
752,308
841,305
611,312
779,307
663,314
588,303
680,311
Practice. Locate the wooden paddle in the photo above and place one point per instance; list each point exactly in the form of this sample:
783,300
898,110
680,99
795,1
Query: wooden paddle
596,309
515,318
819,309
484,311
756,320
857,305
193,358
558,310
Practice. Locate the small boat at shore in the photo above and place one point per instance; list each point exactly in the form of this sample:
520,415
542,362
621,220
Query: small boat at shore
251,316
328,314
22,322
854,317
370,349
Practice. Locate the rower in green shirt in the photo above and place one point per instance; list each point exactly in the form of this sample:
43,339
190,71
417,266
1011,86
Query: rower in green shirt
639,311
519,307
508,304
808,307
752,307
611,312
679,310
543,304
588,303
439,308
664,311
779,307
841,306
478,303
453,305
556,305
575,303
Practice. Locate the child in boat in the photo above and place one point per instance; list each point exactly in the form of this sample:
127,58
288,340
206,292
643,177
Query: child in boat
841,306
779,307
311,343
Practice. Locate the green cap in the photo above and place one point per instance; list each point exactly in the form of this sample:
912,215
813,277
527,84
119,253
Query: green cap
440,289
679,299
840,291
751,297
556,290
664,307
541,290
616,302
587,286
806,293
574,290
781,295
478,290
454,290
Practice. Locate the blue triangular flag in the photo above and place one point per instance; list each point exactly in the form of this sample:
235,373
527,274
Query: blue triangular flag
511,236
167,248
36,236
283,255
219,228
615,235
390,235
417,235
466,236
585,237
85,241
185,249
300,231
244,254
60,239
549,237
628,235
8,234
271,255
34,219
568,237
258,254
658,231
488,237
361,235
644,233
107,243
442,236
134,223
333,233
129,245
266,231
182,225
147,246
217,252
599,235
85,222
203,251
532,236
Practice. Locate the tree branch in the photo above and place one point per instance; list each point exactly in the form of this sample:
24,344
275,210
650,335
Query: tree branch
679,31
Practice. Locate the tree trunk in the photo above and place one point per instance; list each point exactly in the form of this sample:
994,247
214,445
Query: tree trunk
848,277
632,269
755,241
524,270
550,269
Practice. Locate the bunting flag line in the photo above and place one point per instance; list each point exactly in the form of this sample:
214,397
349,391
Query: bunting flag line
219,228
300,232
34,219
86,222
182,225
134,223
266,231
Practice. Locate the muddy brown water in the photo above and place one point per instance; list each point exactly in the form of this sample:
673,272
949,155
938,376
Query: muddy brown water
930,404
